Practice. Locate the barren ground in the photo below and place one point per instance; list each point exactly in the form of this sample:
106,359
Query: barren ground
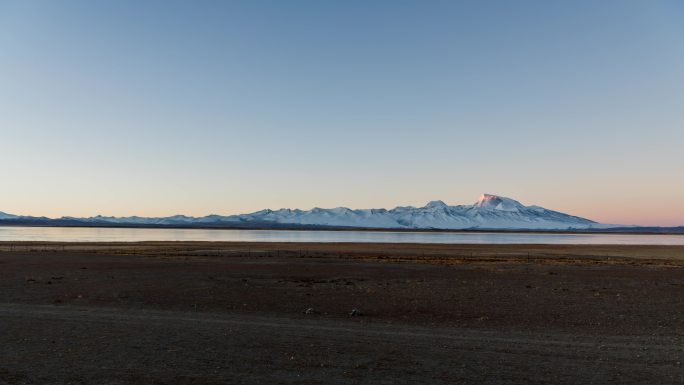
211,313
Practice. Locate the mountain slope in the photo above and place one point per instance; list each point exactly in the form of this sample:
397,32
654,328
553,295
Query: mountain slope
489,212
7,216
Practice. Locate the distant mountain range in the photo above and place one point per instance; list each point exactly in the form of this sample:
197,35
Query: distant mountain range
490,212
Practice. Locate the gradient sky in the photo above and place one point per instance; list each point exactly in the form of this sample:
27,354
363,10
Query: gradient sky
158,107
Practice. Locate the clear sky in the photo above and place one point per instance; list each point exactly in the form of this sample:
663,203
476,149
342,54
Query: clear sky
196,107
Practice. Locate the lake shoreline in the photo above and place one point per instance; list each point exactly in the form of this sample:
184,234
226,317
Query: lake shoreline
637,230
141,234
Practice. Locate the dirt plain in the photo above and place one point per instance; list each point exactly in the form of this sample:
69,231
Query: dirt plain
236,313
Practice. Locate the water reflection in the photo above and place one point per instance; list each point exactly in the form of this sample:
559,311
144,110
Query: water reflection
64,234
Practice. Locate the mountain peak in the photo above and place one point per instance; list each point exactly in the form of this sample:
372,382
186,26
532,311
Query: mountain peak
436,204
495,202
4,215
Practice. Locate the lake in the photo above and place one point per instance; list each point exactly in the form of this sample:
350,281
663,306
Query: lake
85,234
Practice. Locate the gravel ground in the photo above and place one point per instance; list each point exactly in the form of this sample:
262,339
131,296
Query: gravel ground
160,315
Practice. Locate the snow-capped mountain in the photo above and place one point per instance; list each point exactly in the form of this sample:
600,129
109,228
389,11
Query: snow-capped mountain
489,212
7,216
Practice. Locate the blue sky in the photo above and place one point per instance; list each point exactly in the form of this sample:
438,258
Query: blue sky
161,107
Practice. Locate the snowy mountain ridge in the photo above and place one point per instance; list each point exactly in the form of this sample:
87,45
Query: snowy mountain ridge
7,216
489,212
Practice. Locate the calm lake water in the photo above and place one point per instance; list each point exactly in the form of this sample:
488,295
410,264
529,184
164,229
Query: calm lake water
64,234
